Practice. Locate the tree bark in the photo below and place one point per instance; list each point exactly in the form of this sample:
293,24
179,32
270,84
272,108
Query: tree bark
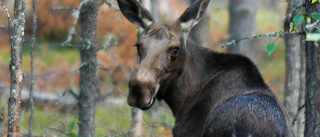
242,20
294,84
136,122
34,29
312,128
16,34
89,82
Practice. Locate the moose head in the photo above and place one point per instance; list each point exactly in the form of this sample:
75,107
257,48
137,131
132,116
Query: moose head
161,50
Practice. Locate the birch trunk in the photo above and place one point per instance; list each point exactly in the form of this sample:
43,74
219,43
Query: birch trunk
16,34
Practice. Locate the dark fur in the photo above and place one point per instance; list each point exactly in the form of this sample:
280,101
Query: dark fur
210,94
224,96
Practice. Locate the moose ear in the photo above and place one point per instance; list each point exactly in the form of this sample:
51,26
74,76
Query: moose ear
135,13
193,14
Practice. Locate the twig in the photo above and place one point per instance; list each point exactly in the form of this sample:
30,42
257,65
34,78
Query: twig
108,44
270,34
310,27
296,116
68,90
105,2
73,93
109,4
34,29
81,65
289,15
62,9
72,30
7,12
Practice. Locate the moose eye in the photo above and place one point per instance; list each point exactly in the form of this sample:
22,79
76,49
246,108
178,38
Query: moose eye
175,51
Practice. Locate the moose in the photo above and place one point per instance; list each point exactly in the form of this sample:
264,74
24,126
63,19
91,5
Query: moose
210,94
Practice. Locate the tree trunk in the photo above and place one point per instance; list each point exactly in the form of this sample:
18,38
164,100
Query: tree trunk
294,84
200,33
34,29
16,34
242,24
136,122
312,128
89,82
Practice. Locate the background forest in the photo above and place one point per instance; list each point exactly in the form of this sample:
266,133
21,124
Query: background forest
56,65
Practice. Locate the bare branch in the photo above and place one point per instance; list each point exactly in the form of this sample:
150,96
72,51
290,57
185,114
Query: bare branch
296,117
72,30
105,2
296,7
7,12
108,44
68,90
109,4
270,34
81,65
73,93
311,26
62,9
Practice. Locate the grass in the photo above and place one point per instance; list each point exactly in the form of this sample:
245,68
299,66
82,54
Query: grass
110,120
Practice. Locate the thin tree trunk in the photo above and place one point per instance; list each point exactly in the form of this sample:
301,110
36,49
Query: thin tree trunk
89,82
16,34
294,93
136,122
34,29
312,128
242,15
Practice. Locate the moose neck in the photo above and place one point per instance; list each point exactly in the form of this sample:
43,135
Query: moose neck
189,83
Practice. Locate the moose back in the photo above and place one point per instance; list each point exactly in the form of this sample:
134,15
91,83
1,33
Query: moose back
210,94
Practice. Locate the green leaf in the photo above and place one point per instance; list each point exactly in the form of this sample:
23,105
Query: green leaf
298,19
270,48
72,134
313,37
72,124
314,1
295,29
291,27
315,15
